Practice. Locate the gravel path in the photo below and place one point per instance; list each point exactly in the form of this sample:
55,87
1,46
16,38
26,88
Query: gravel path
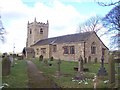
36,78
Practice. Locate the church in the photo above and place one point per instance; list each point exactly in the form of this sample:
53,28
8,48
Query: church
67,47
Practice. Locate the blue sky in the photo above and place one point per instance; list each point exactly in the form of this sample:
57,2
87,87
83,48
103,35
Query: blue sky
64,17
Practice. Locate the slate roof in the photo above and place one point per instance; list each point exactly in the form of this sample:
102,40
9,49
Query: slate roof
65,39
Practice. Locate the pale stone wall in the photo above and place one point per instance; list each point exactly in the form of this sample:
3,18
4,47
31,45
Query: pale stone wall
68,57
46,55
35,34
59,53
79,50
99,46
30,55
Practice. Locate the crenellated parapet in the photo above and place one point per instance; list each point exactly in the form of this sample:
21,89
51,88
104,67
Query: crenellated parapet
36,31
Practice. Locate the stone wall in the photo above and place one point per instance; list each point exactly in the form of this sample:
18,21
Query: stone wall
33,32
99,45
79,50
38,53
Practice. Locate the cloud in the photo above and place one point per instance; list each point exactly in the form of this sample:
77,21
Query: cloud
63,20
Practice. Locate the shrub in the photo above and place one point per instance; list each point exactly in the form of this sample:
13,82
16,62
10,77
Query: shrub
46,61
51,58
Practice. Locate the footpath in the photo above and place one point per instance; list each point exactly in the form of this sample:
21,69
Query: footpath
36,78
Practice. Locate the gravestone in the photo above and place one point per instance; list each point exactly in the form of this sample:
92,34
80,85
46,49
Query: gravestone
117,60
58,67
80,75
80,64
6,64
11,59
95,82
111,71
102,71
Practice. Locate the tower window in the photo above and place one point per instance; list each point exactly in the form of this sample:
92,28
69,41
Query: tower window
41,31
30,31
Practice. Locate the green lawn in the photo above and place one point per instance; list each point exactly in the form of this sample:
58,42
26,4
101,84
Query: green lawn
18,76
65,81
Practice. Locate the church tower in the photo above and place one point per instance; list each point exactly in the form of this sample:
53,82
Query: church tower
36,31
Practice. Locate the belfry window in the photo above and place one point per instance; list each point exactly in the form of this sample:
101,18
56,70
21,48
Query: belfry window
93,48
30,31
41,31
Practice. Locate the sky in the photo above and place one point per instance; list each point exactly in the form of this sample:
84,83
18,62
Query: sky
64,17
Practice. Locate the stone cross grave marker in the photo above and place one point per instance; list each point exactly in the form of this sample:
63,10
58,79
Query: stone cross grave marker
102,71
80,64
80,75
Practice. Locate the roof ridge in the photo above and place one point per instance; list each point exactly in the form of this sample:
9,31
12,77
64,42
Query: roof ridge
66,38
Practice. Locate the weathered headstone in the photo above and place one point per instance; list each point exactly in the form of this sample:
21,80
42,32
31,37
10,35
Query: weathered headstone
6,64
117,59
95,82
58,67
12,60
80,64
111,72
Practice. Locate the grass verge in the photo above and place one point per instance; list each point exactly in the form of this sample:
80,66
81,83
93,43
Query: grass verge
18,76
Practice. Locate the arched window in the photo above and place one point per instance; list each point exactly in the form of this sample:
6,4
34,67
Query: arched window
93,48
41,31
30,31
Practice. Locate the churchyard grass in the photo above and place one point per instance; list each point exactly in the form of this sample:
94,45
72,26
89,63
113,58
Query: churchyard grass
18,76
67,73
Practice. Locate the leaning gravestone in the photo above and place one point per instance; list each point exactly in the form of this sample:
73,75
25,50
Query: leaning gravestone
6,66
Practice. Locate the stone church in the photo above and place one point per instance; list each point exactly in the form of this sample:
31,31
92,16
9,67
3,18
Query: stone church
66,47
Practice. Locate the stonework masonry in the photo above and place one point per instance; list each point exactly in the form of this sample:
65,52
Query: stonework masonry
37,38
36,31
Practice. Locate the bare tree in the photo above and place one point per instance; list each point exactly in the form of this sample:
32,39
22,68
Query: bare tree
92,24
109,3
112,22
2,31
